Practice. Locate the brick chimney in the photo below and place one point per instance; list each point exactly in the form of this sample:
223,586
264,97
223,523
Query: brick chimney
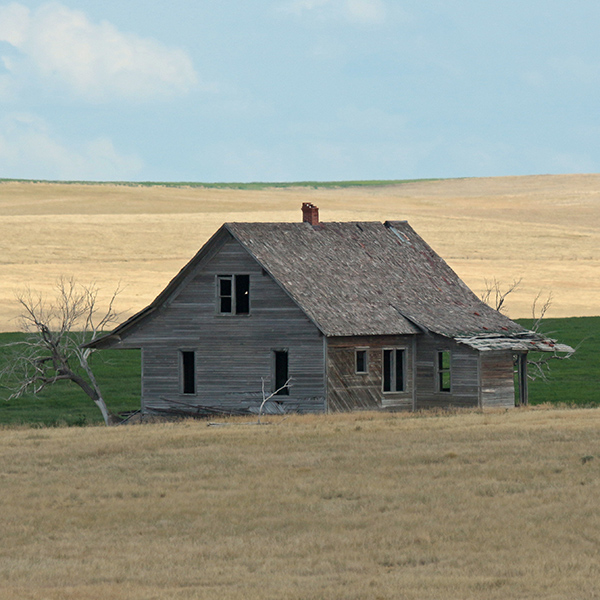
310,213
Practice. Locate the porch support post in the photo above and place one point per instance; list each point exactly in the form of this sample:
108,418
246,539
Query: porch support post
523,391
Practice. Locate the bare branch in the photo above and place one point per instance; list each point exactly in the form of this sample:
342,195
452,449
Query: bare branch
495,296
287,384
542,310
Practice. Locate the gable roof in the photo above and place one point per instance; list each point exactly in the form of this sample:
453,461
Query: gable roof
368,278
352,278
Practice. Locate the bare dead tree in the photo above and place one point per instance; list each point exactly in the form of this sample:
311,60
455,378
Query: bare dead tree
266,398
539,362
495,296
543,309
54,348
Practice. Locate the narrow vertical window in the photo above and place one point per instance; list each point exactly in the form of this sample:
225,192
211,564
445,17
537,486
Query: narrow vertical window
443,371
399,370
387,370
361,365
393,370
242,294
188,372
281,368
225,284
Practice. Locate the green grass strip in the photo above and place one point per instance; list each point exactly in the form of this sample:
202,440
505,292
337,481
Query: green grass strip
254,185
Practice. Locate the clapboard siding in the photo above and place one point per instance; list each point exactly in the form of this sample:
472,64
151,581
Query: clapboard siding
464,374
233,353
348,390
497,379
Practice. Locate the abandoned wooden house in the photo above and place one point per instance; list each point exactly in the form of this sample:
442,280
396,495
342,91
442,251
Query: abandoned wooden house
358,315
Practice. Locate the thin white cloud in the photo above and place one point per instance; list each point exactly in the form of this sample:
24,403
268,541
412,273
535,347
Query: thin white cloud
363,12
96,61
13,23
366,11
29,149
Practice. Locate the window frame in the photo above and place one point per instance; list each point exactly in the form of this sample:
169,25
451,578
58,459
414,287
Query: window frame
235,301
442,372
393,379
365,370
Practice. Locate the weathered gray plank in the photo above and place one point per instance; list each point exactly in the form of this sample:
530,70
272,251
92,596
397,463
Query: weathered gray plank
233,352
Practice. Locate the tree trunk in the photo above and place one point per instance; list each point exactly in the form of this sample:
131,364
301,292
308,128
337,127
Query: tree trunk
94,393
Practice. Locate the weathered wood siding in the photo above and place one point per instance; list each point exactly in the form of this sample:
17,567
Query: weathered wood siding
348,390
464,371
233,352
497,379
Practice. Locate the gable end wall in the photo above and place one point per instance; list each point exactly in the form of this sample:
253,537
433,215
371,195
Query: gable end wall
233,353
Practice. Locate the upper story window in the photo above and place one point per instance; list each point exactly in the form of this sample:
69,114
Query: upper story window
233,294
394,369
443,371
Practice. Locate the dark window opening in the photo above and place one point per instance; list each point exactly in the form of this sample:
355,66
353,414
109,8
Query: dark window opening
361,361
233,294
281,373
188,372
393,370
242,294
443,371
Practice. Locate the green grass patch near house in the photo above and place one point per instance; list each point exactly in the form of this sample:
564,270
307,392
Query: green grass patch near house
118,373
574,381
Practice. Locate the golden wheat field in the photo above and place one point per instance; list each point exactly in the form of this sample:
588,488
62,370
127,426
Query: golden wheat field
543,229
343,507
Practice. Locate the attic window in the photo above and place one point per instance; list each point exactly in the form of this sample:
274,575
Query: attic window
393,370
233,294
443,371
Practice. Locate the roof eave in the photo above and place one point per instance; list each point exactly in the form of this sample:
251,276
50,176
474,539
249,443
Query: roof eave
526,341
124,328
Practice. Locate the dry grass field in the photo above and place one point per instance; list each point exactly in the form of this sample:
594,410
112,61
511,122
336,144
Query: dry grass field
545,229
355,506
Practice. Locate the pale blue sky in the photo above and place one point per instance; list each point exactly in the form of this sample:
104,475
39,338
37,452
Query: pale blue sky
289,90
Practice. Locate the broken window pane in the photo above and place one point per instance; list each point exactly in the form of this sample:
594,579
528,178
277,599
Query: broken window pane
443,370
233,294
242,294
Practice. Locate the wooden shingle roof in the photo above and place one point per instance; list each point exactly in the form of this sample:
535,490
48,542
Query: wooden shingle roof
355,278
368,278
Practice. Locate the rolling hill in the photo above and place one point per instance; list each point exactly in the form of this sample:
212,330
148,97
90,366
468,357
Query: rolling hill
544,229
